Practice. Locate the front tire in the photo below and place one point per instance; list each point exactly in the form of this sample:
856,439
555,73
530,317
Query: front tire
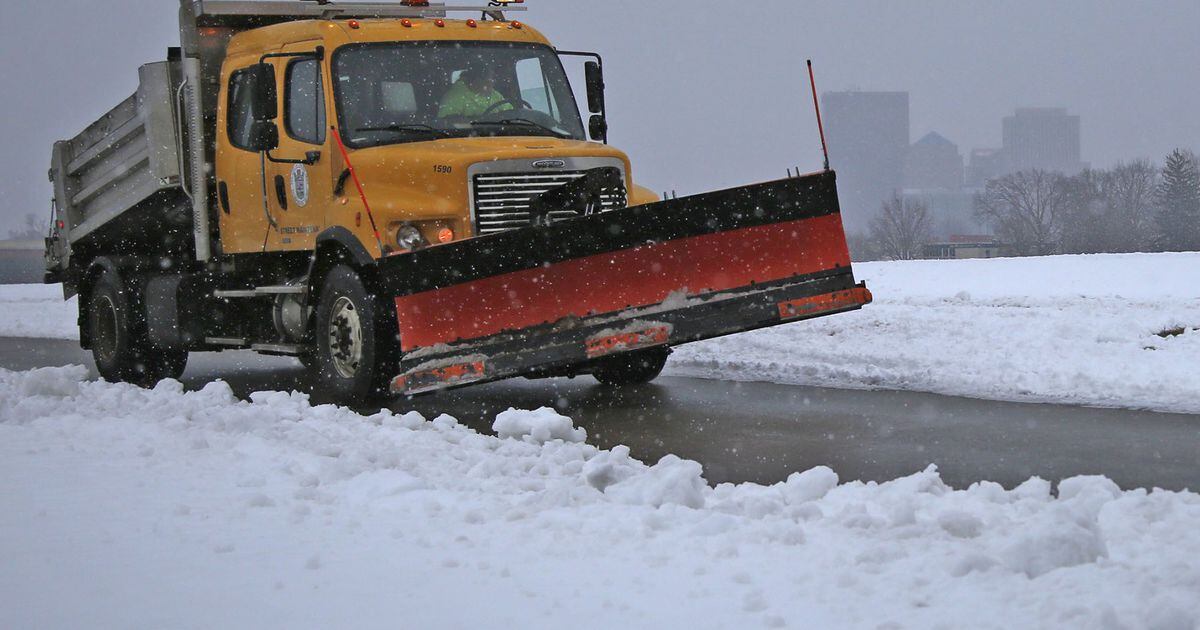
633,368
355,347
120,347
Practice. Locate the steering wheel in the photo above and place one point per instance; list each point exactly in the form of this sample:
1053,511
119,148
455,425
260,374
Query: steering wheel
516,103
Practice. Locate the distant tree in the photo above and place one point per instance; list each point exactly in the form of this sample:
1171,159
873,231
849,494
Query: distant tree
1178,218
862,248
1082,219
32,229
901,229
1129,191
1025,209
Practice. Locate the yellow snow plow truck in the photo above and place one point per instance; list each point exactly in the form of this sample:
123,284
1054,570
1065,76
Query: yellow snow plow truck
407,202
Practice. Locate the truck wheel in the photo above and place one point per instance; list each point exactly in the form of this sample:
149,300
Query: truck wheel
355,357
119,345
634,368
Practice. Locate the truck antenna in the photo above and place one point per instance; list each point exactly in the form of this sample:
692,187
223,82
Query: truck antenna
812,81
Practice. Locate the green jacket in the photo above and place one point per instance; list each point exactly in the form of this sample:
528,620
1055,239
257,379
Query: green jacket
461,100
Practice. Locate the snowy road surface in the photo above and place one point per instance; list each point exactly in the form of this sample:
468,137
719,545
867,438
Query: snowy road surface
761,432
129,508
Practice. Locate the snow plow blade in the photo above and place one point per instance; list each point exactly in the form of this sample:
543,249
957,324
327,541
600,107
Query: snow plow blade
552,298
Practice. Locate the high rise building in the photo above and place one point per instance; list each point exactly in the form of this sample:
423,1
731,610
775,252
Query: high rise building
1043,138
868,136
984,165
933,163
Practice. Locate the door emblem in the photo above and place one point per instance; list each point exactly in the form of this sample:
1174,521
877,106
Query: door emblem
550,164
300,185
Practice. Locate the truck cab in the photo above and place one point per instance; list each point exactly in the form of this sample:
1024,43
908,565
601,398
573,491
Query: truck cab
449,126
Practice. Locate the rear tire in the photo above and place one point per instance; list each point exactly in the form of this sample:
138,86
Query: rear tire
634,368
118,337
356,350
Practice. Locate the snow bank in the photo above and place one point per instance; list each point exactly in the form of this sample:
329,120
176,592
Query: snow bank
1064,329
37,310
122,507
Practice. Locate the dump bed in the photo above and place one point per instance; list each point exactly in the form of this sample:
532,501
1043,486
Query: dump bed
120,178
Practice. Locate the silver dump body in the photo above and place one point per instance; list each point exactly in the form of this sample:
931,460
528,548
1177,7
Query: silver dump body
130,159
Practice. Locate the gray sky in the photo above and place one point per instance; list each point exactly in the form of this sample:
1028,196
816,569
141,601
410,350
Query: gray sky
710,97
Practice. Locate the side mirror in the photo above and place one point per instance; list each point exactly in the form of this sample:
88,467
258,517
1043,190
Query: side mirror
595,87
598,128
265,95
264,136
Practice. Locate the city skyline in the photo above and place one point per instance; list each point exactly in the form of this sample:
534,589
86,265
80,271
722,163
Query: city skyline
1123,68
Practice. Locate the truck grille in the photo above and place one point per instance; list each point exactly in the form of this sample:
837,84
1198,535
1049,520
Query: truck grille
502,201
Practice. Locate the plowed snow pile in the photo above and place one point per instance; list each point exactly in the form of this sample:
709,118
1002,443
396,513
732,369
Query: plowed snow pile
124,508
1066,329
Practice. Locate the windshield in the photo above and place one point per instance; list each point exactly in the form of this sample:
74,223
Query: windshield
411,92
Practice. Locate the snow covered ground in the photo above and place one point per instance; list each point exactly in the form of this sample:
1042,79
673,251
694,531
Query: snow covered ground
128,508
36,310
1063,329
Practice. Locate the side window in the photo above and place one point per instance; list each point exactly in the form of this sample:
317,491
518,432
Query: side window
241,109
304,106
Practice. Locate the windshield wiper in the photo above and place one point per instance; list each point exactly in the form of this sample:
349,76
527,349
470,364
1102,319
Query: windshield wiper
418,127
523,122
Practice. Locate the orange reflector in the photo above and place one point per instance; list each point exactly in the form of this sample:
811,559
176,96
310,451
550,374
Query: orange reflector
625,341
426,380
826,303
445,235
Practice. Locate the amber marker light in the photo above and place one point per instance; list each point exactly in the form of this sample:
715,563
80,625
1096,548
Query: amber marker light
353,24
445,235
440,23
517,25
406,23
472,23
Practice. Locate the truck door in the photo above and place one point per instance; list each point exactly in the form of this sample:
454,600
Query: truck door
299,175
245,215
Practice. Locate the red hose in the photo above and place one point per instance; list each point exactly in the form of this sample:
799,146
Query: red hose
358,184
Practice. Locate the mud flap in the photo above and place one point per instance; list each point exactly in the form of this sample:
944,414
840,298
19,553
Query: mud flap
662,274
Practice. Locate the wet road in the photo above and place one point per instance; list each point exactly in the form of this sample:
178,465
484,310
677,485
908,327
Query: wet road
762,432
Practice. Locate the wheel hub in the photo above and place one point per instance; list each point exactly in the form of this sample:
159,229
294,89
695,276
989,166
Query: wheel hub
345,338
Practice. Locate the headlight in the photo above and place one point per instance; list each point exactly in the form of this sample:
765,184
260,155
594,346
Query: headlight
410,238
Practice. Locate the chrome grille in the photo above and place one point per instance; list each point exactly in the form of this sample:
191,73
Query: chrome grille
502,202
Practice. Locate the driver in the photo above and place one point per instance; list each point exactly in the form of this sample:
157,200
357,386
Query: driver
473,95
